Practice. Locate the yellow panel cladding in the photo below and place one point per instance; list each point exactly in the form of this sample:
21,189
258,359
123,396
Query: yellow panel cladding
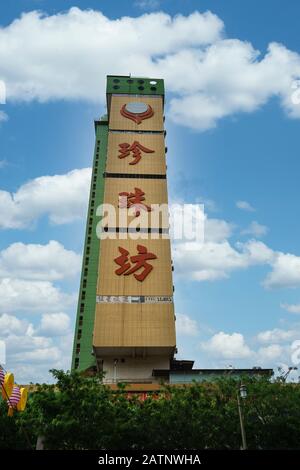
155,192
158,281
134,325
154,123
153,163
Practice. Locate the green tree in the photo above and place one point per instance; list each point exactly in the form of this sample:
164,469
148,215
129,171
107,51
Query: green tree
81,413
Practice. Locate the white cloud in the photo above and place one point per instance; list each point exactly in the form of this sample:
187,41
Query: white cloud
269,349
276,335
31,352
257,252
18,344
212,261
3,116
62,197
209,204
2,92
147,4
208,261
2,352
285,272
217,230
231,79
35,296
52,48
186,326
39,262
226,76
44,355
41,344
216,258
227,346
26,373
245,206
54,324
255,229
283,355
292,308
10,323
270,353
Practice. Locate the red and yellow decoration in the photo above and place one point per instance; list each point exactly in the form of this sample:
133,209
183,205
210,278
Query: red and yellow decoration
7,384
16,397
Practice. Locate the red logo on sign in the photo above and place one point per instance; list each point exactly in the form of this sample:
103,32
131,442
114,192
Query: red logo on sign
137,117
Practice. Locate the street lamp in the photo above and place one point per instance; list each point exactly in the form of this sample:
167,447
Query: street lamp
242,392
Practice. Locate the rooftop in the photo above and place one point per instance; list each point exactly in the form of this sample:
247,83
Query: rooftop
126,84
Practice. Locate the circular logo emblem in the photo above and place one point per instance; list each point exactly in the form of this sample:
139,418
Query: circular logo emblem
136,107
137,111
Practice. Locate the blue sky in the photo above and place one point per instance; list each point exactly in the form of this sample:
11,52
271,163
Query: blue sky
232,143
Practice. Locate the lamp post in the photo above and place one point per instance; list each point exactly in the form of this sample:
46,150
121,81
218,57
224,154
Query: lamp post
242,392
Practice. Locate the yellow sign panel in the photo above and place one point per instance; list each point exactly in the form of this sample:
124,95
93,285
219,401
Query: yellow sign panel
127,325
135,267
132,199
134,306
126,153
136,113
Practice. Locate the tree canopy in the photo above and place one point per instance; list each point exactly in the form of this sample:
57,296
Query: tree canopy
81,413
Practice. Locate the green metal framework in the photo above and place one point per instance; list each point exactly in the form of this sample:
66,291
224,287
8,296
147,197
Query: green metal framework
83,338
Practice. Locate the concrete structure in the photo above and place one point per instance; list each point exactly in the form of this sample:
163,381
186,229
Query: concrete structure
183,373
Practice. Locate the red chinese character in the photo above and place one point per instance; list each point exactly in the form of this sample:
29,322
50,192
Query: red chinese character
127,200
135,149
139,260
122,261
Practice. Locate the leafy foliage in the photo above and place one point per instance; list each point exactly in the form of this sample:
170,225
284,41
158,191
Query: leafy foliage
82,413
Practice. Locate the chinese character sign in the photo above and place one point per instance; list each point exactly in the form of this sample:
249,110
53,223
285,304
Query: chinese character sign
136,148
127,200
131,264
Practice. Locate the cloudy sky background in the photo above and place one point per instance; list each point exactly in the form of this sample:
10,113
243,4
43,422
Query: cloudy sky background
232,116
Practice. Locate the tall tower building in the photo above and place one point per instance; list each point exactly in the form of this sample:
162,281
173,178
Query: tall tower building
125,324
125,319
